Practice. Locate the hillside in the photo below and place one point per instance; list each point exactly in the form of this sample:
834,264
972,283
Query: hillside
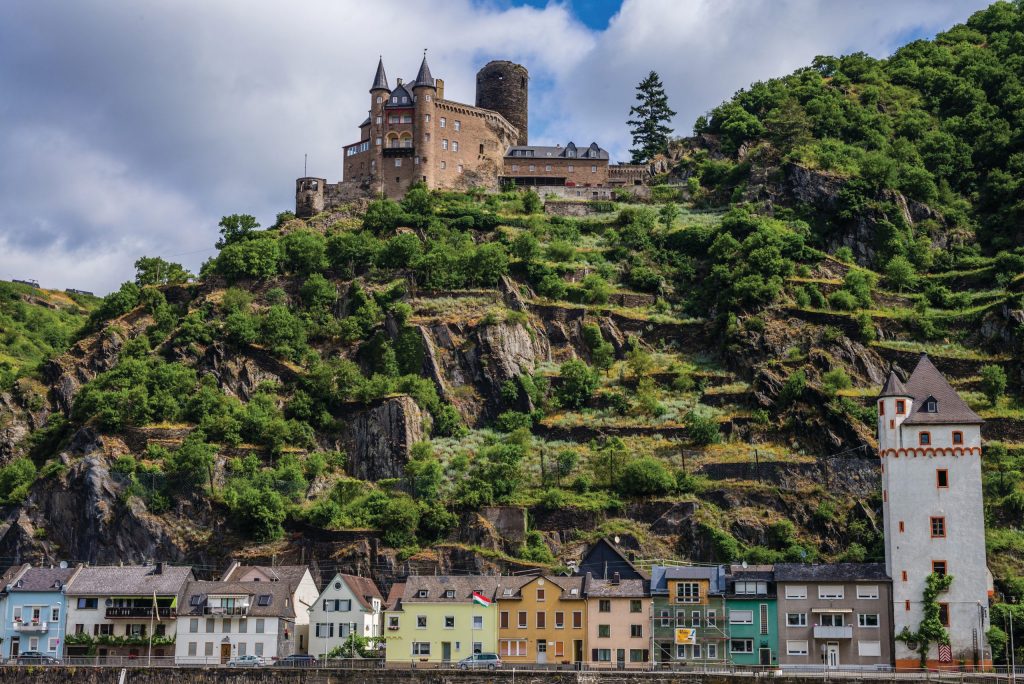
460,382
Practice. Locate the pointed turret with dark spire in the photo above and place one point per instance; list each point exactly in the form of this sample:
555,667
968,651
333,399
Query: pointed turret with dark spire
380,80
424,77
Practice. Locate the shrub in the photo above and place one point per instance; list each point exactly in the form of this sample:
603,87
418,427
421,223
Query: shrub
900,273
578,384
15,479
532,202
304,252
255,258
993,382
510,421
842,300
645,476
701,429
835,380
794,387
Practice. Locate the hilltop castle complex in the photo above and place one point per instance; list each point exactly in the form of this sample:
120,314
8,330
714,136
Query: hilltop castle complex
413,134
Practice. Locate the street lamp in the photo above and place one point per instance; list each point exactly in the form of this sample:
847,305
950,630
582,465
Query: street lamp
1013,656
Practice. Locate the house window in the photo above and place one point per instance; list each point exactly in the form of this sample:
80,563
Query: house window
458,125
444,165
741,645
604,631
442,122
426,118
603,655
831,620
542,619
796,648
637,655
193,625
942,478
87,603
257,648
635,606
243,626
695,618
867,591
515,167
379,120
449,622
924,438
593,169
559,620
512,647
868,619
522,619
559,649
547,167
540,594
666,618
449,593
938,524
211,625
688,592
260,625
944,614
958,437
459,168
830,591
226,628
796,619
604,606
392,622
939,567
378,141
796,592
871,649
193,648
712,652
741,617
208,648
55,615
421,648
712,618
577,619
421,622
636,631
533,167
901,407
503,620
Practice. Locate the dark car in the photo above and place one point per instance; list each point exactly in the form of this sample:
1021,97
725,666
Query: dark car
297,660
35,658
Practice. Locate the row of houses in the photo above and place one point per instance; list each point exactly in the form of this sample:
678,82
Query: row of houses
163,611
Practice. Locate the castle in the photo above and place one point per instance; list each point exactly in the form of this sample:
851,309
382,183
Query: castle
929,443
414,134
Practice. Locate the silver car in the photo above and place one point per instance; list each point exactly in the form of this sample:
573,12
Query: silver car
489,661
247,661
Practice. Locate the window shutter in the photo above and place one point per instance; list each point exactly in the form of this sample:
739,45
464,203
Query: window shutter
593,654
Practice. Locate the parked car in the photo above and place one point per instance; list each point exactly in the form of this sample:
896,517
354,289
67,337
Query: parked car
490,661
297,660
35,658
247,661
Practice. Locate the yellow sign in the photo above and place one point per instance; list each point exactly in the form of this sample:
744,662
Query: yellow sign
686,636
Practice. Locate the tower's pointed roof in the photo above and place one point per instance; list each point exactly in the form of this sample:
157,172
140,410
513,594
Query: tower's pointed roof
380,80
424,77
925,383
893,386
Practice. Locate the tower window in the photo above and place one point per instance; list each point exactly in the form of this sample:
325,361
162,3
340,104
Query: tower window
442,122
481,148
924,439
881,408
901,407
903,527
958,437
455,145
939,567
944,614
444,164
938,524
458,125
379,99
398,161
903,576
942,478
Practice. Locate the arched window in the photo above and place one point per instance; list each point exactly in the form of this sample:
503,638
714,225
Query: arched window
391,140
406,140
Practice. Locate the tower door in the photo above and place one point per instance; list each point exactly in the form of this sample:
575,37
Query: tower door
832,654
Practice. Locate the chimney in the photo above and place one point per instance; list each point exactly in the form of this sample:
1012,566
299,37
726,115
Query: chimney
616,578
399,81
439,84
159,568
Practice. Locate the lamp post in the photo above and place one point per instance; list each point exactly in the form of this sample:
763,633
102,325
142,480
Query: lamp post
1012,660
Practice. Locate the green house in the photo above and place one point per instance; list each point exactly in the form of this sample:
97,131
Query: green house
752,620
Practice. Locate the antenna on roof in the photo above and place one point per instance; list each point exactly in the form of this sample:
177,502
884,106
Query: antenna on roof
305,164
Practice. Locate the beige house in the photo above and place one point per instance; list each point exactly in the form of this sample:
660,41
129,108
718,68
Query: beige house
618,622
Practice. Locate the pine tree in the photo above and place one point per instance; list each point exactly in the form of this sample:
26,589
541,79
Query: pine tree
649,119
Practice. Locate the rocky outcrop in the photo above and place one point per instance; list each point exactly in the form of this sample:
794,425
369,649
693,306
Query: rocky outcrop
380,438
240,375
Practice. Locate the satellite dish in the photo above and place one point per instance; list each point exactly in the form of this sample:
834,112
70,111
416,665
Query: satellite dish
63,565
743,565
616,539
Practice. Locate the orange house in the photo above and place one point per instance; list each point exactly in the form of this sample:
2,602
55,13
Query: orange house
544,621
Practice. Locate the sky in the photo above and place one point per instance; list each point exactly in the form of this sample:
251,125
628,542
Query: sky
130,129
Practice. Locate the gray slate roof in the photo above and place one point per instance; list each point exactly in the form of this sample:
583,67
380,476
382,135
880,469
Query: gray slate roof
831,572
129,580
660,574
565,585
285,574
424,76
594,152
395,594
893,387
281,600
435,586
927,382
380,80
751,573
43,579
627,588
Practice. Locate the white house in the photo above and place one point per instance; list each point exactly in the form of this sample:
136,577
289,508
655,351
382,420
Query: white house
347,604
929,442
253,610
123,610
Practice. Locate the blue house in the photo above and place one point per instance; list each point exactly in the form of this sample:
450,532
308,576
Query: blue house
35,611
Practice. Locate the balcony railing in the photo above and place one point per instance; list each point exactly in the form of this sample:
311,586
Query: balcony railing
226,610
30,626
826,632
115,612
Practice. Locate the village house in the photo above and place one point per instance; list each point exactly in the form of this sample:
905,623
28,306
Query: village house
618,622
543,621
347,605
753,626
688,607
34,608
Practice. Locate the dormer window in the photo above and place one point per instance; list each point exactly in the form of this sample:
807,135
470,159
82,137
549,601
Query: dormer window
422,593
931,406
449,593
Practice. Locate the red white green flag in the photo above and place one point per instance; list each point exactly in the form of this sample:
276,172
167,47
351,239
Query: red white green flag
482,600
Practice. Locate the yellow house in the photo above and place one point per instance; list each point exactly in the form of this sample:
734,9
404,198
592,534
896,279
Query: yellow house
543,621
441,619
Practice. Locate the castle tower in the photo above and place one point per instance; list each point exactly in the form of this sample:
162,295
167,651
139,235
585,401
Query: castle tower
309,196
503,87
425,94
379,93
929,443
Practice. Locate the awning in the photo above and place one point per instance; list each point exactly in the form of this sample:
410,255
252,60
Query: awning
831,610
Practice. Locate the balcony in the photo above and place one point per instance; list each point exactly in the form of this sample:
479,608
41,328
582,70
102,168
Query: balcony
226,610
399,152
30,626
163,612
825,632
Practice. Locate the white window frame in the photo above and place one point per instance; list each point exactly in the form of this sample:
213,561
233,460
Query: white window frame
797,647
421,622
741,617
801,619
458,125
712,651
862,618
796,592
869,649
868,591
478,622
421,648
831,592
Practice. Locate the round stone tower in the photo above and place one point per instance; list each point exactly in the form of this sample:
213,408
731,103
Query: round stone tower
309,196
503,87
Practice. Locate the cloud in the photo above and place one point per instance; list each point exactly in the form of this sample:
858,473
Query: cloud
131,129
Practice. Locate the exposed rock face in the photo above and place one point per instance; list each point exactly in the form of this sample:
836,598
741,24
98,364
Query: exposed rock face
380,438
241,375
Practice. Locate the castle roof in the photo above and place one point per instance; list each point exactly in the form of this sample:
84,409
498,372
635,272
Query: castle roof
927,383
570,151
399,92
424,77
893,387
380,80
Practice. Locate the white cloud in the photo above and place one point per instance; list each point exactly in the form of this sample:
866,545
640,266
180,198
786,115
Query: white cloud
130,129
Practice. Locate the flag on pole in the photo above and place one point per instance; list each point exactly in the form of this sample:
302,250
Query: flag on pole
482,600
156,610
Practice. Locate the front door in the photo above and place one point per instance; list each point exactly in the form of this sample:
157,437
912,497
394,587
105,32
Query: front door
832,654
577,650
542,651
620,657
15,647
446,651
225,653
764,656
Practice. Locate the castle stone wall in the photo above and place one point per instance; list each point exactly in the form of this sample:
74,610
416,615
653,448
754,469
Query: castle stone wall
504,87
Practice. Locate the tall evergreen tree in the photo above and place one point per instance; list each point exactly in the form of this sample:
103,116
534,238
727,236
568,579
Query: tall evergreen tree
649,119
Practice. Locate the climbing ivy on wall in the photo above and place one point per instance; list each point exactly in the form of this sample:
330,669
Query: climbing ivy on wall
931,627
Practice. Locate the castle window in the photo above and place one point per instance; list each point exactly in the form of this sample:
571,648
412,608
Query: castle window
593,169
902,527
460,168
379,120
378,141
426,118
958,437
394,118
379,99
938,524
394,99
442,122
416,160
398,161
901,407
939,567
407,118
405,100
942,478
444,144
455,145
547,167
481,148
571,168
515,167
924,439
458,125
881,408
444,165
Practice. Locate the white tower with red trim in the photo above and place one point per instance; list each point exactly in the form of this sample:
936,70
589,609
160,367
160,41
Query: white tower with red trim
929,443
